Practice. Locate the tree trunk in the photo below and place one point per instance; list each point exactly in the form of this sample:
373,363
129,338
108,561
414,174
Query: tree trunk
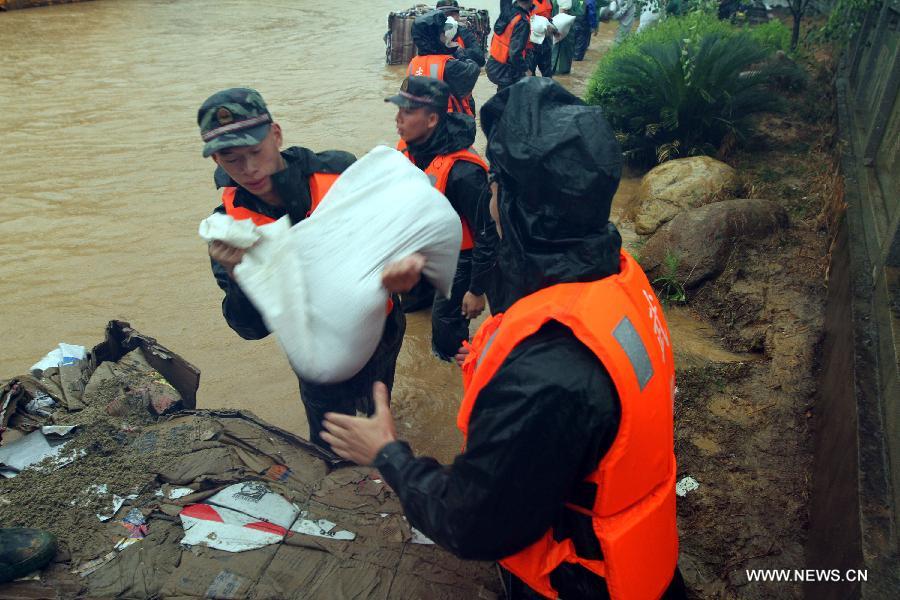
795,32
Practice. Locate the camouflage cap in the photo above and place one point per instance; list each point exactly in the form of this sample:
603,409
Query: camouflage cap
233,117
448,6
416,92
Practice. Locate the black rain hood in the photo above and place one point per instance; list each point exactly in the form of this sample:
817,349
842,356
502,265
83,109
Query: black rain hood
558,165
426,33
456,131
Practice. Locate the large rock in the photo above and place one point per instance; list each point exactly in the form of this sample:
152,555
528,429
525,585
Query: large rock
679,185
700,240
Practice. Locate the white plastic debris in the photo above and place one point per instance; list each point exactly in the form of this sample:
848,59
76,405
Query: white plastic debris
322,528
39,404
688,484
243,516
64,354
35,447
419,538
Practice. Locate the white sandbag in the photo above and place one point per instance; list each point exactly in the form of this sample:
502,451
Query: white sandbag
318,285
563,24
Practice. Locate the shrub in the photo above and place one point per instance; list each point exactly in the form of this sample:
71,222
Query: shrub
772,36
683,88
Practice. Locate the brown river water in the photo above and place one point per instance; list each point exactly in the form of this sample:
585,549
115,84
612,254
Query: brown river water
103,184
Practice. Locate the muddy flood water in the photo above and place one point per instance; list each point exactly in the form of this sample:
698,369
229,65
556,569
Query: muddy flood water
104,185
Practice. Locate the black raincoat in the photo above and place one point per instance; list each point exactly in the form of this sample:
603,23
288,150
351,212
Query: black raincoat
473,50
505,74
460,74
551,411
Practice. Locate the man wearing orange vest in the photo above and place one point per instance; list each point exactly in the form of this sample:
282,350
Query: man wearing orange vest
568,473
436,58
509,58
262,183
440,144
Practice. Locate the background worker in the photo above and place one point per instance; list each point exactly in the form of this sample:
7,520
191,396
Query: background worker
509,59
585,28
468,45
440,144
437,59
261,183
568,472
564,49
542,53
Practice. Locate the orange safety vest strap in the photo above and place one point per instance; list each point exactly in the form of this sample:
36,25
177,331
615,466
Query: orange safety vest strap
500,42
239,213
319,184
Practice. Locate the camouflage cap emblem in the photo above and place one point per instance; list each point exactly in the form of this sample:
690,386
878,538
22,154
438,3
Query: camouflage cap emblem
224,116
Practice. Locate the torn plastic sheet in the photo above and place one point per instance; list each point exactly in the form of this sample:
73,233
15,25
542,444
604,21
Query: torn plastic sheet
175,493
64,354
321,528
35,447
101,489
687,484
243,516
246,516
39,404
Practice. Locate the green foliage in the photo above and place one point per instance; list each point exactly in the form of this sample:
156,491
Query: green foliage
845,19
684,89
671,290
772,36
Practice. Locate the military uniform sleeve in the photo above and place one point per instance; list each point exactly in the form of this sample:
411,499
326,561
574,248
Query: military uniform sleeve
538,428
239,312
461,76
517,44
473,50
470,194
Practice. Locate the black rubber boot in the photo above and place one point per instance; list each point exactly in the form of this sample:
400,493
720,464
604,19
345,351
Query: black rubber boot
24,551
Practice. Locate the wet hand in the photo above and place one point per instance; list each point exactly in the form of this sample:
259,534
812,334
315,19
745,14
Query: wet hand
227,256
462,354
404,274
359,439
472,305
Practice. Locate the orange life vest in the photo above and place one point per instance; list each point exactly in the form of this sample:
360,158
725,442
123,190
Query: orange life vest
319,184
458,39
433,65
543,8
500,41
633,514
439,172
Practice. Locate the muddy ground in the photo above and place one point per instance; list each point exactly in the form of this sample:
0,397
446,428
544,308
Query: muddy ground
743,426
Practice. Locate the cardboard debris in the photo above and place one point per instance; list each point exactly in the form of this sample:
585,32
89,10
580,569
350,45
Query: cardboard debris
321,529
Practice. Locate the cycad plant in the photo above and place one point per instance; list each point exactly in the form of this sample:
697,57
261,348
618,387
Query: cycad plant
684,97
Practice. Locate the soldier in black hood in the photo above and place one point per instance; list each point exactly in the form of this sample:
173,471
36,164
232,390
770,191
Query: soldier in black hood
436,59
